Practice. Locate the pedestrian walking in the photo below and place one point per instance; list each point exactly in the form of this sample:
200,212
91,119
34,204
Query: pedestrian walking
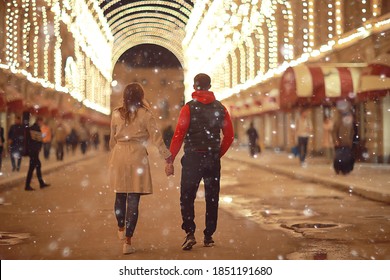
132,125
16,143
95,139
253,137
59,140
199,125
72,140
34,145
83,138
46,139
327,139
304,131
343,136
2,140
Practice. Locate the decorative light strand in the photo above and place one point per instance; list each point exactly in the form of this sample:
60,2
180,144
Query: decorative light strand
376,10
250,59
35,40
9,28
26,32
46,45
242,56
57,46
330,20
339,18
364,10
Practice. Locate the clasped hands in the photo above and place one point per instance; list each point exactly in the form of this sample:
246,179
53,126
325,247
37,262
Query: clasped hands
169,169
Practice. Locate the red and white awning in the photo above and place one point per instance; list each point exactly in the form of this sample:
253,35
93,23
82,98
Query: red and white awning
375,79
255,105
14,99
310,85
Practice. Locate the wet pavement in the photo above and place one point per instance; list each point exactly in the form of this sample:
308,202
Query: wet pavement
368,180
73,219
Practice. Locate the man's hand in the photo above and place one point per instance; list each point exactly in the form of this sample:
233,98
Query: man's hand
169,169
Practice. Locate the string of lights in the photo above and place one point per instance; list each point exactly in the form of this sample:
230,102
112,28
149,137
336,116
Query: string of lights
239,43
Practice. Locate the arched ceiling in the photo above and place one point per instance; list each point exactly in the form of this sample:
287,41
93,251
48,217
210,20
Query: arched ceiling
147,22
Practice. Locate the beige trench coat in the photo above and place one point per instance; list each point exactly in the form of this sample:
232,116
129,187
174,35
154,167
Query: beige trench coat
128,164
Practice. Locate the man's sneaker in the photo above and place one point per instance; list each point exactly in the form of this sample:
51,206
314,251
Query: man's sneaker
44,185
128,249
208,241
188,242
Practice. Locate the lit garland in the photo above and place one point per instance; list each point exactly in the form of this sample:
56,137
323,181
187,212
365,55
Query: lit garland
330,20
289,36
12,18
305,18
122,24
46,45
311,25
26,32
93,46
36,39
165,21
263,28
376,11
242,56
57,47
234,69
364,11
250,58
216,40
339,18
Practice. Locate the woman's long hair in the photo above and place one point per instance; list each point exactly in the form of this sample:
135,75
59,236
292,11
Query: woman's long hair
133,99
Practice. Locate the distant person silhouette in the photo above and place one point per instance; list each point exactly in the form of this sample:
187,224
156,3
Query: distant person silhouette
34,146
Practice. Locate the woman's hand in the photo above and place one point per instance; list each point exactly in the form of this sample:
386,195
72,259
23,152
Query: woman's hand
169,169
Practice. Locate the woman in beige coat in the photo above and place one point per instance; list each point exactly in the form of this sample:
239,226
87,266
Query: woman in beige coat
132,125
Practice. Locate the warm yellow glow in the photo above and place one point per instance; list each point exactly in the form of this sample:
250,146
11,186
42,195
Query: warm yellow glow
33,39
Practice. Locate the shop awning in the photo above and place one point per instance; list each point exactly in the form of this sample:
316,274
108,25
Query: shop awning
375,79
256,105
54,112
14,99
315,85
67,115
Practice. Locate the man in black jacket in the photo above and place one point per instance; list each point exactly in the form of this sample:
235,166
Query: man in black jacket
34,146
199,126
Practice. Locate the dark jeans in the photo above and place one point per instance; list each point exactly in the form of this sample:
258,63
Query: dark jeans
16,158
195,167
60,151
35,163
302,148
253,148
46,150
83,145
126,213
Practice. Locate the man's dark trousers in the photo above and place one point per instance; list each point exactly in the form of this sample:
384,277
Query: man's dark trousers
34,163
195,166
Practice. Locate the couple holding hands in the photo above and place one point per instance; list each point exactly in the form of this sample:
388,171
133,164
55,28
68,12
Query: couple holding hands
199,126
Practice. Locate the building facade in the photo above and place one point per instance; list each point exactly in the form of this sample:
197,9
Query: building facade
55,61
255,52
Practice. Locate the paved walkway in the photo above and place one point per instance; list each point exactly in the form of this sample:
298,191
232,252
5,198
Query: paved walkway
10,178
368,180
